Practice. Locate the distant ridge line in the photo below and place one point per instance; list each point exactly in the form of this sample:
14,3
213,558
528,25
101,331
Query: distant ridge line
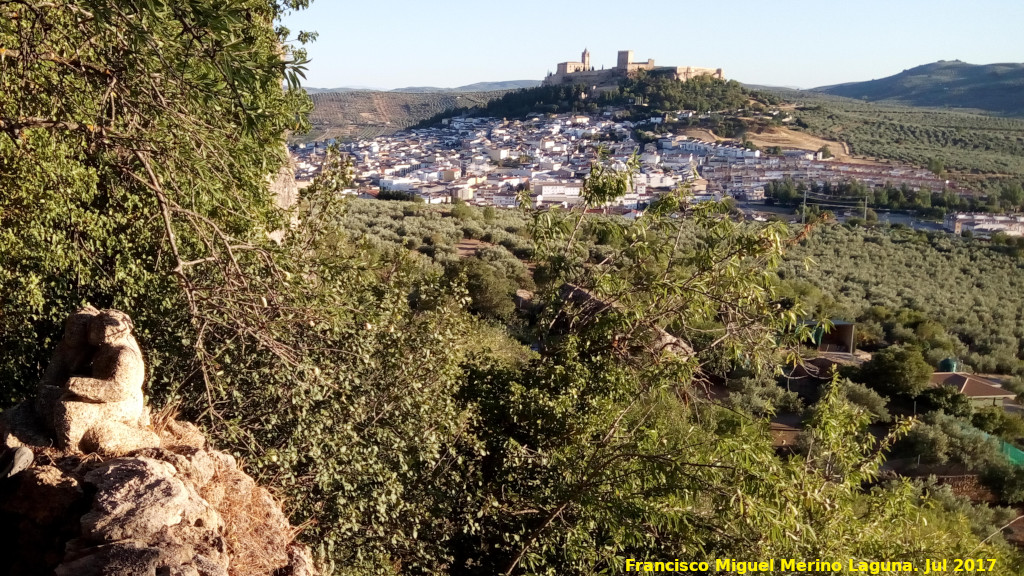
476,87
995,88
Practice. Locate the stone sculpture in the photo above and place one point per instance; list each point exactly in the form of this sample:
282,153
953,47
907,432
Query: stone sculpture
72,357
105,406
90,397
147,503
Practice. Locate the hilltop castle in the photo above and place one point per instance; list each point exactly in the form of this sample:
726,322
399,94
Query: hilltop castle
583,73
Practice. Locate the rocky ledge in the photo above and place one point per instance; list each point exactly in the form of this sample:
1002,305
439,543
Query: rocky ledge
147,496
181,509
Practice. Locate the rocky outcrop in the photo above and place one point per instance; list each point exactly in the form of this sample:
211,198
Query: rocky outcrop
181,509
135,496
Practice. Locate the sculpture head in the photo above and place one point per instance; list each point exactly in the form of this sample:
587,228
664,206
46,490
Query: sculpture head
110,327
76,327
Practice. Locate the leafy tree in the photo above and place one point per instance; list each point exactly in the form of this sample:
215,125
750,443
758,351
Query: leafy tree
489,214
948,400
995,420
897,370
489,288
762,396
134,156
462,211
399,195
1012,195
860,395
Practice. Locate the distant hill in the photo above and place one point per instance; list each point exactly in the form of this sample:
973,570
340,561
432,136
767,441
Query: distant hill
341,89
997,88
355,114
477,87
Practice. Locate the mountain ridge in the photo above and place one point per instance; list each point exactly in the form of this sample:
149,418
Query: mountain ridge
474,87
994,88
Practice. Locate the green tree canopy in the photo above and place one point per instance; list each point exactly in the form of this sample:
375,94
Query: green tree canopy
136,142
897,370
948,400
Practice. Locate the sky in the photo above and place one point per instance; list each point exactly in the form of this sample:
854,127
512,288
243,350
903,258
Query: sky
388,44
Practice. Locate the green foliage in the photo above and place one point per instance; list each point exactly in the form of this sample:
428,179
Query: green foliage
941,438
347,371
1012,195
948,400
641,93
398,195
897,370
1007,480
968,143
997,421
866,398
664,93
857,194
761,395
133,153
918,280
489,288
946,84
985,521
521,103
462,211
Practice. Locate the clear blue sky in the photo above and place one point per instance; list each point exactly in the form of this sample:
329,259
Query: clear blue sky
396,43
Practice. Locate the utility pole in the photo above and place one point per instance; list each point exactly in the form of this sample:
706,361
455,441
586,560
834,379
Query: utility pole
865,208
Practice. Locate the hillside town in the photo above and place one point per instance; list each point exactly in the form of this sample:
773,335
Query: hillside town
491,162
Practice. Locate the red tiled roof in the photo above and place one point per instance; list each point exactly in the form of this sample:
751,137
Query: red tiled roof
970,385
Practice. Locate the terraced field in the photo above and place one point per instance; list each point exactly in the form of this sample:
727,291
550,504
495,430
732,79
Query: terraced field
366,114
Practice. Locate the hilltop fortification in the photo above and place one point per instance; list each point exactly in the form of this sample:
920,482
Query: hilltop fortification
583,73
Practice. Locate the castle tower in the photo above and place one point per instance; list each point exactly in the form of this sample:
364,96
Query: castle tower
585,58
625,58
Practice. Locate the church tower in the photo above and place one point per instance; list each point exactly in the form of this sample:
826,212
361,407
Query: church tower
585,58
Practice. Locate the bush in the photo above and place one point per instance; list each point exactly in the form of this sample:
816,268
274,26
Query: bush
946,399
462,211
489,288
868,399
472,230
995,420
762,396
897,370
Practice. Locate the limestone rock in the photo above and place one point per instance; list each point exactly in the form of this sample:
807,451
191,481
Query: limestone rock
144,499
117,438
135,497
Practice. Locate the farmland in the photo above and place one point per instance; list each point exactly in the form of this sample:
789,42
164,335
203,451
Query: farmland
972,146
361,114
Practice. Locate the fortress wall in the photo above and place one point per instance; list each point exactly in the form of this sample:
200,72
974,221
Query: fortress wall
580,73
586,77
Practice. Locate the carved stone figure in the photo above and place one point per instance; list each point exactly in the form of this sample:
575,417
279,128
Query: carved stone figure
72,357
100,397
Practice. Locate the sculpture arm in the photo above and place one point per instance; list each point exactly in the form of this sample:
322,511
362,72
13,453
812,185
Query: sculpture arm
97,390
59,368
117,376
